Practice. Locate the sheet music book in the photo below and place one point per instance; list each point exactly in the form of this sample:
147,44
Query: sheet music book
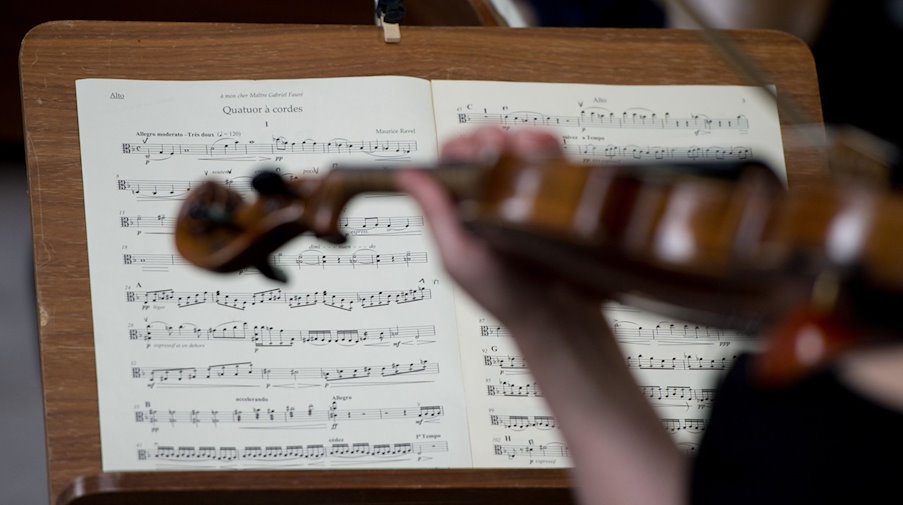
369,357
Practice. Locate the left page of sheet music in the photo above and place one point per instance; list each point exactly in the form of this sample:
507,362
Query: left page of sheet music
353,363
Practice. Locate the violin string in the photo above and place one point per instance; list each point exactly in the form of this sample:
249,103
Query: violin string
851,150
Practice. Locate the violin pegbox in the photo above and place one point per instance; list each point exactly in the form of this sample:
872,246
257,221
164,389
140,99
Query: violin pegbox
217,229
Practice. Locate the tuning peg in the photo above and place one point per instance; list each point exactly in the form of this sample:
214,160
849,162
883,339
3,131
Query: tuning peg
270,183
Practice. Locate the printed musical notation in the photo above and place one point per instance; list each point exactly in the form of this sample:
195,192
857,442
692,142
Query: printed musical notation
611,152
290,453
505,388
268,336
684,362
351,375
257,418
166,190
507,362
493,331
551,450
694,426
382,226
343,300
679,396
672,332
232,149
603,118
371,226
177,395
522,422
309,258
519,423
510,363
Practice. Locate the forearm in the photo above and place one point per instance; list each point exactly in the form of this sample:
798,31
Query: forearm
621,451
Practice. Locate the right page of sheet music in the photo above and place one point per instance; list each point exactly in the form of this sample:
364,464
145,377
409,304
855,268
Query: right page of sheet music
676,364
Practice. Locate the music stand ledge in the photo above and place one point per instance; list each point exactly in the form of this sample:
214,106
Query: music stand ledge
55,54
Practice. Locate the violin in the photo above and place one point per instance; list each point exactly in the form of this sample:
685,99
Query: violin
723,245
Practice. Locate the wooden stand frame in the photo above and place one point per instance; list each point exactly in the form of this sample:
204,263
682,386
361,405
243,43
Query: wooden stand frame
54,55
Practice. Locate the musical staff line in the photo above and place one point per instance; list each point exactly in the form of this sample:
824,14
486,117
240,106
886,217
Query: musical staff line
344,300
268,336
505,388
685,362
229,148
672,332
551,450
361,258
246,371
272,418
638,361
288,453
679,396
167,190
603,118
612,152
493,331
519,423
695,426
370,226
506,362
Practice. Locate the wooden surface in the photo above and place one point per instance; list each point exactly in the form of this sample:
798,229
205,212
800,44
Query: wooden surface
310,487
18,17
54,55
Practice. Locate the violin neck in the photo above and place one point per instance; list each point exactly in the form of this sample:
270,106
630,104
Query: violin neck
329,196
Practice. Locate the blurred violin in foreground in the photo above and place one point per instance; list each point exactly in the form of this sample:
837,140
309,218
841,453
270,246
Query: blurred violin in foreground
818,270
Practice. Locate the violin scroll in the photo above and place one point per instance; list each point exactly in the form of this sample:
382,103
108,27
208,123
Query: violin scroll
218,230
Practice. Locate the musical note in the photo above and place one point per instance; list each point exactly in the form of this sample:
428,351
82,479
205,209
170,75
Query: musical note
257,417
602,118
551,450
681,396
284,376
289,453
519,423
695,426
610,152
505,388
309,258
268,336
231,149
343,300
671,331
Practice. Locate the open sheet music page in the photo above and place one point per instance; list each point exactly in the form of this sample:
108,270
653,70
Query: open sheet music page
676,364
369,357
354,362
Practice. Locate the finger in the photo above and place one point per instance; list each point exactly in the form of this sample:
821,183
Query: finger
535,144
482,144
455,243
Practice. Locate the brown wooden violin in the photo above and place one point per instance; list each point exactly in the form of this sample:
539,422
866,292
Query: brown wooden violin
716,244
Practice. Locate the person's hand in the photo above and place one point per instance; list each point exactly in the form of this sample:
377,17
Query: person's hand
621,452
516,295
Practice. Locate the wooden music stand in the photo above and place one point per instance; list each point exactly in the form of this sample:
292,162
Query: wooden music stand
54,55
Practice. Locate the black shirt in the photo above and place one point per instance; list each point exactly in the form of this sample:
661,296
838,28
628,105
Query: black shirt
816,441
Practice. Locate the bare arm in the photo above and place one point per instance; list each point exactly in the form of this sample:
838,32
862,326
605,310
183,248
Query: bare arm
621,451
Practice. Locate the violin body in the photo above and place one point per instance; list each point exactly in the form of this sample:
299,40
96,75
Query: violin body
720,245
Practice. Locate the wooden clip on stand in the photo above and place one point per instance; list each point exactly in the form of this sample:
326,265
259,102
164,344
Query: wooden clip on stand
391,31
